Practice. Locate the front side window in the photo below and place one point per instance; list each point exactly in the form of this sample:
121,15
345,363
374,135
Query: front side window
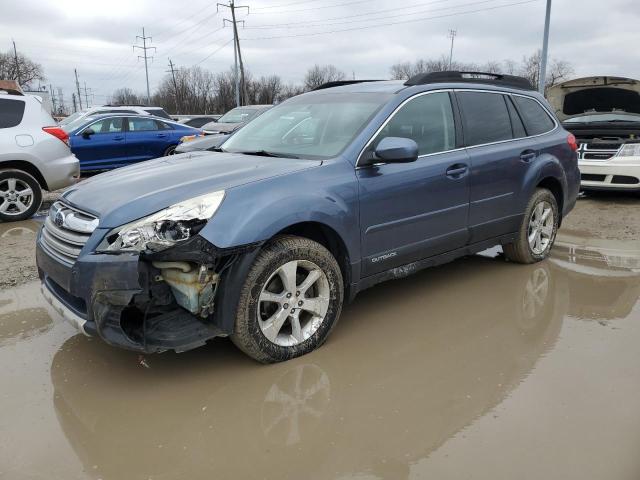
485,117
313,126
108,125
427,120
11,112
142,124
536,119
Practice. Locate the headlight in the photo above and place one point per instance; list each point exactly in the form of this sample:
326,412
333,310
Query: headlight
188,138
629,150
165,228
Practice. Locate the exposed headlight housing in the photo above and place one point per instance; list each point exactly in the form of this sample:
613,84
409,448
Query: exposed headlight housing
629,150
165,228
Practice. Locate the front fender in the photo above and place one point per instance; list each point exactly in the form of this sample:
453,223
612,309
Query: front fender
255,212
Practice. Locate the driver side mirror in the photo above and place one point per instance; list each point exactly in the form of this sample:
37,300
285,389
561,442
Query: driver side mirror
395,150
86,133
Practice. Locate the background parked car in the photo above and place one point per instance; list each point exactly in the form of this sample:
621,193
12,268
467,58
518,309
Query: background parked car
234,119
121,109
34,155
196,121
111,141
604,115
207,142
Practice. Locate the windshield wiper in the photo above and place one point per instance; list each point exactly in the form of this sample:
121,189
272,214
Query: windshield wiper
264,153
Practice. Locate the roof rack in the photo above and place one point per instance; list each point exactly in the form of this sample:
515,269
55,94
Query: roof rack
11,91
471,77
121,105
340,83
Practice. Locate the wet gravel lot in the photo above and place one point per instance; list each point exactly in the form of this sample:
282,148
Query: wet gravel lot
479,369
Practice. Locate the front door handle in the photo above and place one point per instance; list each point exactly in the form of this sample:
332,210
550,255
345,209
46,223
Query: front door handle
118,139
528,155
162,135
457,171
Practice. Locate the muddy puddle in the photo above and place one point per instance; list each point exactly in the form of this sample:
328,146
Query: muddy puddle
478,369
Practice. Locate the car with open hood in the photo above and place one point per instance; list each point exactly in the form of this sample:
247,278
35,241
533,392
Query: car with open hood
318,198
604,115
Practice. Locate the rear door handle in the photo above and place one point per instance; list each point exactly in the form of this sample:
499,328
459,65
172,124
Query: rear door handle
118,139
528,155
456,171
161,135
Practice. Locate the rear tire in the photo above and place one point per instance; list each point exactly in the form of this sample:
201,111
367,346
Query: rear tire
537,231
290,300
20,195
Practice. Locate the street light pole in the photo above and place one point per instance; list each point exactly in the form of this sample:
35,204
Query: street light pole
545,49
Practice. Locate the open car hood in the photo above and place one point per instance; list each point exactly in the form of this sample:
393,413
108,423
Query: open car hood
593,95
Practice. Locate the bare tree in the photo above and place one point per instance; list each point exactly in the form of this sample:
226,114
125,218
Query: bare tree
319,74
557,70
26,70
126,96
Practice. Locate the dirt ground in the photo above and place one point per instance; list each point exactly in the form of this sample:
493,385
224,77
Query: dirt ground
479,369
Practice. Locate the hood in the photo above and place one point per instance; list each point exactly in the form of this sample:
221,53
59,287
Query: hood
594,95
215,127
202,143
129,193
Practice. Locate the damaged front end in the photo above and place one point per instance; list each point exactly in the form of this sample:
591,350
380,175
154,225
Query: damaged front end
175,306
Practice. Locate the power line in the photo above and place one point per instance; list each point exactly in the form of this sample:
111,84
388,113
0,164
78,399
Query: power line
318,23
214,52
144,48
394,23
343,4
285,4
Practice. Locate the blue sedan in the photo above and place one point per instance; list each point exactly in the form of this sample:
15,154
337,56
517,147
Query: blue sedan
110,141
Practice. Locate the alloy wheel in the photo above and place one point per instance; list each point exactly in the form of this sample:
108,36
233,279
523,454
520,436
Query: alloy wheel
16,196
293,303
541,228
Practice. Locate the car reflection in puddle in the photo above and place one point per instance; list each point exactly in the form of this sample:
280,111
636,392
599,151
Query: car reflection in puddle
412,363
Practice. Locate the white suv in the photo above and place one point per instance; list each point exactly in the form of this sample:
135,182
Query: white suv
138,109
34,155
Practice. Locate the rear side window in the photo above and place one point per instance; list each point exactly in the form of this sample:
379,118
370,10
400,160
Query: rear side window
140,124
486,118
516,121
536,119
11,112
159,112
198,122
428,120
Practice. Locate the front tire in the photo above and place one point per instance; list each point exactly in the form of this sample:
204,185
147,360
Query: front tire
537,231
20,195
170,151
290,300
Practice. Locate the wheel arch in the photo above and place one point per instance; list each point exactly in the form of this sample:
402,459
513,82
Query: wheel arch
555,187
26,167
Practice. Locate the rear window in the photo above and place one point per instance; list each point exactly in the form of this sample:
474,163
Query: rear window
158,112
486,118
11,112
536,119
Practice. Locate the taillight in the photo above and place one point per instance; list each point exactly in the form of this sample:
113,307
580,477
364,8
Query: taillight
57,132
573,143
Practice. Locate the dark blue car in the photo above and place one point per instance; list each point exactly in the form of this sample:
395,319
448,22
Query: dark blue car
324,195
109,141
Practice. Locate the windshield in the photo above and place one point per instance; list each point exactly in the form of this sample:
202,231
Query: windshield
238,115
71,118
309,126
604,117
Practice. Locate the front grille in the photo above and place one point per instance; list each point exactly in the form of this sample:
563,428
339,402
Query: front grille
597,151
65,232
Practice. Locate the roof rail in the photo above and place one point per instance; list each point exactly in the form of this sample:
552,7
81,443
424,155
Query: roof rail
339,83
123,105
471,77
11,91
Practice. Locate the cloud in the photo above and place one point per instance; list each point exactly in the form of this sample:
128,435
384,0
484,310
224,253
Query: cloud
366,37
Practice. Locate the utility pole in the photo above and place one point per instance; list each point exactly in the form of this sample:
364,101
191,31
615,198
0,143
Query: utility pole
78,89
15,56
452,36
73,97
175,84
237,54
53,99
86,95
144,48
545,49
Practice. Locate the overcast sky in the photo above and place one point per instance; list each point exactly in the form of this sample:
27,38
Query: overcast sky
285,37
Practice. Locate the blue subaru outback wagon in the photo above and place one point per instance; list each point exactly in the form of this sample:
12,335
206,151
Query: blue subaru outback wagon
322,196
